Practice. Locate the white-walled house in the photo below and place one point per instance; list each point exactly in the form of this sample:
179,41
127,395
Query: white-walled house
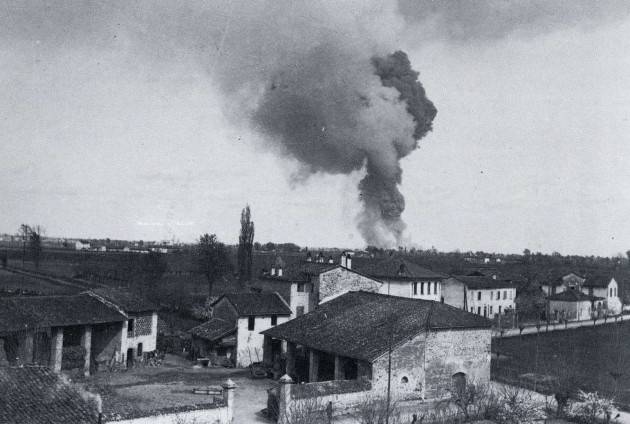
573,305
601,286
487,296
401,277
234,330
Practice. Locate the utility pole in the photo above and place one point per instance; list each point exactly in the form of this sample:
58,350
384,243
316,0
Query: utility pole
389,357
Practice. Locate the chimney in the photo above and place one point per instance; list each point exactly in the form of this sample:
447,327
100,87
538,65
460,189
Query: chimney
349,261
309,257
273,271
331,260
343,262
280,272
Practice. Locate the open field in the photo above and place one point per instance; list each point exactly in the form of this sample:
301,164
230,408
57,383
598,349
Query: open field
594,358
10,281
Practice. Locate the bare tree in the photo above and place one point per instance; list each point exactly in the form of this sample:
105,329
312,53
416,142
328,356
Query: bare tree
212,259
23,233
245,246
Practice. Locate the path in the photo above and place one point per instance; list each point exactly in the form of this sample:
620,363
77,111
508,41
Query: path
513,332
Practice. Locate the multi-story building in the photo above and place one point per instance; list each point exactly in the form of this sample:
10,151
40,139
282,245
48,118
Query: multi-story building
483,295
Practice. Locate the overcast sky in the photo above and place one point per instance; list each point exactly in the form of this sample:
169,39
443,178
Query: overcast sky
112,126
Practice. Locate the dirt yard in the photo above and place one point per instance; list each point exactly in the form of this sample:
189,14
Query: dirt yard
141,390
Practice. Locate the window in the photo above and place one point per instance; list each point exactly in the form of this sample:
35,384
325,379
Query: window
499,309
510,292
478,310
490,310
504,294
422,287
415,288
611,292
139,349
442,299
472,310
274,320
459,383
499,295
300,287
251,323
130,327
478,295
299,311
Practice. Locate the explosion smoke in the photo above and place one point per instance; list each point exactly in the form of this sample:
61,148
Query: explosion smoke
336,114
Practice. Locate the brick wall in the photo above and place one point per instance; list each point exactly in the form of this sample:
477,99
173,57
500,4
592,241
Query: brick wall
339,280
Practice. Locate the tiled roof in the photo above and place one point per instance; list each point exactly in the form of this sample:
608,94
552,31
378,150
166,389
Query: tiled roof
125,300
483,282
23,312
573,296
36,395
597,280
248,304
359,324
394,267
301,271
213,329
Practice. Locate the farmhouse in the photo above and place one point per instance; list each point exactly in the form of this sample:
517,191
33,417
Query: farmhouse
573,305
139,336
310,282
234,330
76,331
401,277
433,345
480,294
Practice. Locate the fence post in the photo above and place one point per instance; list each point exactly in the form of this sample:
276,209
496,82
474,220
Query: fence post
284,399
228,396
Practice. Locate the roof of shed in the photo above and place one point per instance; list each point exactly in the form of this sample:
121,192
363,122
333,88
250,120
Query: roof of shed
214,329
573,296
24,312
37,395
125,300
394,267
257,304
359,324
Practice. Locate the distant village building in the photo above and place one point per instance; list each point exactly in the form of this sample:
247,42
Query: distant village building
402,277
434,348
80,245
601,286
483,295
310,282
573,305
234,330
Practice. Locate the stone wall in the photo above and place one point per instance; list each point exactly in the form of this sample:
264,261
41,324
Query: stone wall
408,374
341,280
456,351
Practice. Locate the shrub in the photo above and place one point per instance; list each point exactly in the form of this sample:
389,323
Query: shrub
592,408
376,410
516,406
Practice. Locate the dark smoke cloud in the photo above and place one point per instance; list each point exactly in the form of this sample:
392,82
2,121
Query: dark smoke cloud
480,20
337,113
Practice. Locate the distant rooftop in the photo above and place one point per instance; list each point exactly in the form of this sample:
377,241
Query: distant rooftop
394,267
125,300
573,296
257,304
480,282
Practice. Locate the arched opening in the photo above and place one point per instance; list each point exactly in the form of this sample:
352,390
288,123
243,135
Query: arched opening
404,380
458,382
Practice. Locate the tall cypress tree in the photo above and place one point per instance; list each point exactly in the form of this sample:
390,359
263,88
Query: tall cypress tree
245,246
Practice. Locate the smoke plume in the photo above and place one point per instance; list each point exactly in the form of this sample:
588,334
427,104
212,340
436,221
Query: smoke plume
337,113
